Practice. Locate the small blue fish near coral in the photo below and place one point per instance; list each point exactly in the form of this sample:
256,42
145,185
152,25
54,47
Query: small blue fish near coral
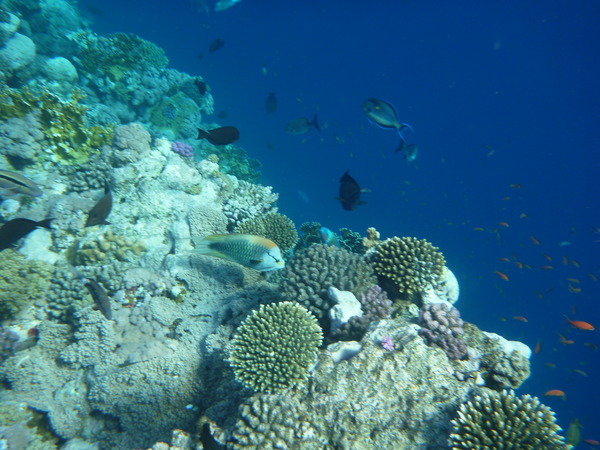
384,115
248,250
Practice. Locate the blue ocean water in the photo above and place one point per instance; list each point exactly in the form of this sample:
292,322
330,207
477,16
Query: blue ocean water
505,103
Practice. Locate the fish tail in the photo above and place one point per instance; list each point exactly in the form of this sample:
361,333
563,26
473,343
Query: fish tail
401,145
315,123
45,223
204,246
404,126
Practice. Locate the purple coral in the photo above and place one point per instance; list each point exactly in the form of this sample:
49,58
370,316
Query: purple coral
442,326
375,305
387,343
183,149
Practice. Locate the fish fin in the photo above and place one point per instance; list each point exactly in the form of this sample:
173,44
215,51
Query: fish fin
202,134
403,126
45,223
345,176
315,123
400,145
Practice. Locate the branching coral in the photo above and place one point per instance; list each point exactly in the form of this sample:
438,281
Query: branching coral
502,420
275,346
277,227
406,266
442,326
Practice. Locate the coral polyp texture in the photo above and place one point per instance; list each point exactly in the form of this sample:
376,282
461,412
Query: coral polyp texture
310,273
442,326
277,227
407,265
275,346
502,420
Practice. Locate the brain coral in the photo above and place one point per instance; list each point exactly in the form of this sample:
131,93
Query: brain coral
277,227
406,266
310,273
502,420
275,346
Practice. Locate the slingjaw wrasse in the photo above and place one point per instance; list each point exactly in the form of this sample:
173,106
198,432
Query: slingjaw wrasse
101,210
15,229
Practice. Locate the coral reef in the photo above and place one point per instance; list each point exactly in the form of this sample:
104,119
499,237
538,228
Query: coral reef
8,342
22,282
310,273
442,326
247,201
275,346
500,420
234,161
274,226
351,241
107,248
375,306
183,149
406,266
309,235
371,240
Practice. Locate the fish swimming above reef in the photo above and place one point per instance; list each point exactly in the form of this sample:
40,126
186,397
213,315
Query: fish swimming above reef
302,125
271,103
15,229
350,192
216,45
100,298
384,115
101,210
220,136
248,250
12,183
411,152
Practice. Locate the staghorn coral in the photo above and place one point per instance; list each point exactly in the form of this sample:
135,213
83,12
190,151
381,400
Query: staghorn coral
277,227
247,200
310,273
406,266
22,282
501,420
442,326
275,346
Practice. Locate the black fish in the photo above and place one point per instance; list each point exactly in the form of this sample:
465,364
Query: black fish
350,192
15,229
220,136
271,103
201,85
216,45
301,125
101,210
100,298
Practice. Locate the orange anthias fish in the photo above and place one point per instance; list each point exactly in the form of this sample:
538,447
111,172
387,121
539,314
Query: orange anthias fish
534,240
501,275
580,325
515,186
593,442
520,319
565,341
556,393
538,347
503,224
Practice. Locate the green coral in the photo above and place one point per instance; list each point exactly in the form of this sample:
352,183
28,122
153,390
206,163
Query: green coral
22,282
310,273
275,346
309,235
106,249
277,227
502,420
235,161
116,54
63,122
351,241
406,266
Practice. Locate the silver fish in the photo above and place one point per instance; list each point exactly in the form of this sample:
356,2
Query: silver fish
12,183
302,125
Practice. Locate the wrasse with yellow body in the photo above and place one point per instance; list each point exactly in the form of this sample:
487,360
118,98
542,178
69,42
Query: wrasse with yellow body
248,250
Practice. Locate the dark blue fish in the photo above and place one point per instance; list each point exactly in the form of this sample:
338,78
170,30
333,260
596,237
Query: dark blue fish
101,210
384,115
15,229
100,298
350,192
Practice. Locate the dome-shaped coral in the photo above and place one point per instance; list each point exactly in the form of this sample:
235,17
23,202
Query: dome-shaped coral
502,420
407,265
274,226
275,346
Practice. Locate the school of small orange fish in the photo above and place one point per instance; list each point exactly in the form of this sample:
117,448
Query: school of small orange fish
574,330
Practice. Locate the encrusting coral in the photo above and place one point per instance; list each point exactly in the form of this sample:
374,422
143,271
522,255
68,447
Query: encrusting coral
406,266
502,420
274,226
275,346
